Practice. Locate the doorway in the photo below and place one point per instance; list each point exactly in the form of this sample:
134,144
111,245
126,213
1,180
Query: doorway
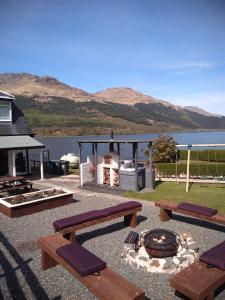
3,162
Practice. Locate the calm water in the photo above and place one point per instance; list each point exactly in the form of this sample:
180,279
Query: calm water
61,145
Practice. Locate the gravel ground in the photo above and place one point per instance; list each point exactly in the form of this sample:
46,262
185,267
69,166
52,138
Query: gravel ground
22,278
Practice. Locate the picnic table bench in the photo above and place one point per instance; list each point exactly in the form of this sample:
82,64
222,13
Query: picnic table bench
13,183
69,226
197,211
197,281
106,285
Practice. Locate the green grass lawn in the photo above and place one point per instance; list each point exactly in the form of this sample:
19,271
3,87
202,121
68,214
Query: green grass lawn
211,195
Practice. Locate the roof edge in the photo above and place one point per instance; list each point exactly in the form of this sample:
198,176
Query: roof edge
7,95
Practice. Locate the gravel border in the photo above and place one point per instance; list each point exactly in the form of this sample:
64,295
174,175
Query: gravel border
22,278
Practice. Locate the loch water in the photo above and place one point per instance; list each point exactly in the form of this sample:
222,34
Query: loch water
58,146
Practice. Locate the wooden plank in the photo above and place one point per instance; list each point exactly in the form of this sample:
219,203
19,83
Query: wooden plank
108,285
133,221
197,281
35,207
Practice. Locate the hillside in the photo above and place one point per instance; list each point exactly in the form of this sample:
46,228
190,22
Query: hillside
55,108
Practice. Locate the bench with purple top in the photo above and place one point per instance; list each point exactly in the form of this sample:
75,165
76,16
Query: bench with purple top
202,278
215,257
70,225
90,270
197,211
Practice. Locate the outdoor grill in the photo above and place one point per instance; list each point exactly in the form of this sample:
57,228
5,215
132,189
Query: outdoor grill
161,242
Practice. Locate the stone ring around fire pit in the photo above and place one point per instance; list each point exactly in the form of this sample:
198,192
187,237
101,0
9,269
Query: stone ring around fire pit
161,251
160,242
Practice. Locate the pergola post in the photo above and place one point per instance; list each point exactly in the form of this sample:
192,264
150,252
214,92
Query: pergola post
135,157
28,162
118,151
41,165
96,163
80,152
13,163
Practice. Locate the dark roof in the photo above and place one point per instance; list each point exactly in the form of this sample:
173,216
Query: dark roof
131,141
18,126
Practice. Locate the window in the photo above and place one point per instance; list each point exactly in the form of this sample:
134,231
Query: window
5,111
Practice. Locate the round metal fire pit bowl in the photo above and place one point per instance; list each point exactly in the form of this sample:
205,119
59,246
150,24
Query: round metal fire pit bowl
161,243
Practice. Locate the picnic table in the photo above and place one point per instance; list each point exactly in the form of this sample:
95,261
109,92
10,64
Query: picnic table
9,183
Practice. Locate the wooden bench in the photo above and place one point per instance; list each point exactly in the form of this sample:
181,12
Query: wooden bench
198,282
130,219
107,285
167,207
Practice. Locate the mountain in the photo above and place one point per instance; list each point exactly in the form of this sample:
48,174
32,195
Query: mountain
127,96
40,87
53,107
201,111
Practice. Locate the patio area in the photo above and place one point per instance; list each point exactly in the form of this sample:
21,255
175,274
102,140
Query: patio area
20,271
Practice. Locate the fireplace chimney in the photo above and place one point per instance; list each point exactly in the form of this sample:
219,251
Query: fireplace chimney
111,148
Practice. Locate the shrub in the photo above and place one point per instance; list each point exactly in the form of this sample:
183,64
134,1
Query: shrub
204,155
169,169
163,149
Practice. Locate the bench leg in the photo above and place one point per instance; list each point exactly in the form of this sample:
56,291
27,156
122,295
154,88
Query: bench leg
131,220
165,214
47,261
210,296
73,237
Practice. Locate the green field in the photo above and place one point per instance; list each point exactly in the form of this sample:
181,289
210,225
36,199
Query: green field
211,195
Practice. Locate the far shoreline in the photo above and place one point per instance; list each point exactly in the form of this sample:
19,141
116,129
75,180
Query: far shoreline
135,133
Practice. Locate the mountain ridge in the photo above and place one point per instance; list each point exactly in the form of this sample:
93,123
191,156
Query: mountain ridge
51,104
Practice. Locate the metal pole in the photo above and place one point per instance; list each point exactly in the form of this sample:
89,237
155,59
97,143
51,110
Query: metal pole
188,169
41,165
202,145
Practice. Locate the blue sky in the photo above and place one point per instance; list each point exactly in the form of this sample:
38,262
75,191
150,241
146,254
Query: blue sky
169,49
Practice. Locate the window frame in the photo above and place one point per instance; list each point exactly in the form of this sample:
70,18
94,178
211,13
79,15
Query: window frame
10,110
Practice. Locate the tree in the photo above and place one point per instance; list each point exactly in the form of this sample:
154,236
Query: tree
163,149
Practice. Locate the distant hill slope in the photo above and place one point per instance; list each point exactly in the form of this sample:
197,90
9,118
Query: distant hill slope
53,107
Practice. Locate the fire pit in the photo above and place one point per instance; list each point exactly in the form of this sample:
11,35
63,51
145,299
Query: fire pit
161,242
161,251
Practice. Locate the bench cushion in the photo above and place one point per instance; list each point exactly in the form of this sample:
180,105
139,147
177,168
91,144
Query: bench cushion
77,219
121,207
215,256
206,211
82,260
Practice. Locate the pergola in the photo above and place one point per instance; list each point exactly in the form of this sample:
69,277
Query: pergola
116,142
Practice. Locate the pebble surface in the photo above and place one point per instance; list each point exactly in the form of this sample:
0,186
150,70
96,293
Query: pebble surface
22,278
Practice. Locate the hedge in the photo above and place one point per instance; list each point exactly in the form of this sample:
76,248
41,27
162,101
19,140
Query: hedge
169,169
204,155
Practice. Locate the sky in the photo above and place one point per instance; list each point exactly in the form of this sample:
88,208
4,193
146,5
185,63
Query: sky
170,49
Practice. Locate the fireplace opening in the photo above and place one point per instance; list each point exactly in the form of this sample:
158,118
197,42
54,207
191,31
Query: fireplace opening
161,242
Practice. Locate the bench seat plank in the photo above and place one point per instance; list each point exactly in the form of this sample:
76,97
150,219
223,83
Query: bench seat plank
108,285
130,219
197,281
